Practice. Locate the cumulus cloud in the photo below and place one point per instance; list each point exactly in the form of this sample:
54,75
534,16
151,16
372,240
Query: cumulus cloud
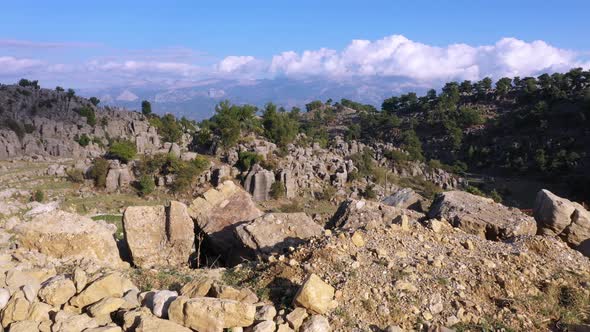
401,57
11,65
397,57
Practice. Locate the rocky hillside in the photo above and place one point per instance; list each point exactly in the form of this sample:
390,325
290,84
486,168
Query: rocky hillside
42,122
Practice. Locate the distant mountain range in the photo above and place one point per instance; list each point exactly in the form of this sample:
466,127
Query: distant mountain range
197,100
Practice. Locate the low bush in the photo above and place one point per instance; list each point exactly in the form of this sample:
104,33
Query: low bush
247,159
146,185
75,175
38,196
99,171
278,190
124,150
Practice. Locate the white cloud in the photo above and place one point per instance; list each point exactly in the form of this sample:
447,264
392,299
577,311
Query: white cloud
14,66
399,56
127,96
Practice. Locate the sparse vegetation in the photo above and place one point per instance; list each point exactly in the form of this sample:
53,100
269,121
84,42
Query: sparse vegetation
123,150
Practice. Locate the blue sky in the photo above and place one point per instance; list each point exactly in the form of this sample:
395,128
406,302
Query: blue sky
79,42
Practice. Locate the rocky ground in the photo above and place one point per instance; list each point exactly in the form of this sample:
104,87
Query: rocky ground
371,267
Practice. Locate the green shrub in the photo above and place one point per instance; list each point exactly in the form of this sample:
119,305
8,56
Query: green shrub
396,156
247,159
13,125
496,196
278,190
83,140
38,196
89,114
29,128
475,191
369,192
187,172
146,185
99,171
327,194
75,175
124,150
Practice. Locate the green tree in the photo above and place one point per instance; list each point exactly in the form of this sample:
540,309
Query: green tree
146,108
95,101
413,145
279,126
313,105
169,129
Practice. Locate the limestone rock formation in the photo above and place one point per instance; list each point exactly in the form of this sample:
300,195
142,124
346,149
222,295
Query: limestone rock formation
405,198
275,232
558,216
258,183
211,314
353,214
218,212
481,216
159,235
64,235
118,177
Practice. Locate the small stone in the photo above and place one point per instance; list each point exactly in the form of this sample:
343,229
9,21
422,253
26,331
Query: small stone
197,287
315,323
427,315
468,245
296,317
80,279
403,221
357,239
265,326
267,312
315,295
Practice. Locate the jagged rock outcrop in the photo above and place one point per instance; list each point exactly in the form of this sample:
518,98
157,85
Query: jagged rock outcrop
119,176
218,212
159,235
481,216
258,183
353,214
558,216
405,198
65,235
276,232
51,125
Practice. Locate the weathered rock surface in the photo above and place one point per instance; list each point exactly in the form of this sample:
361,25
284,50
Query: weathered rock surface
57,290
258,183
315,295
481,216
405,198
558,216
218,212
211,314
159,235
275,232
66,235
353,214
110,285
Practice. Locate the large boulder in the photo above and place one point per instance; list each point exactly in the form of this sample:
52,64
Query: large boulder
353,214
481,216
258,183
118,177
211,314
159,235
218,212
275,232
558,216
66,235
405,198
